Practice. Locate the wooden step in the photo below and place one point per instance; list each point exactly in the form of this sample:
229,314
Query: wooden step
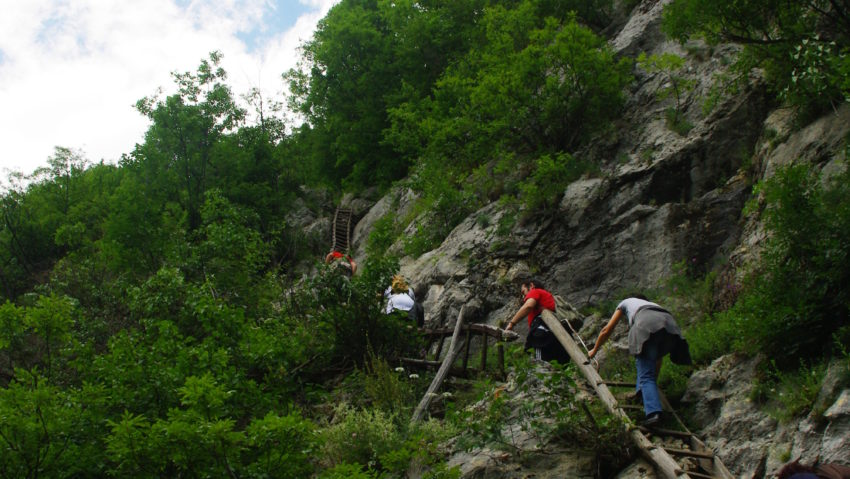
618,384
633,407
665,432
688,453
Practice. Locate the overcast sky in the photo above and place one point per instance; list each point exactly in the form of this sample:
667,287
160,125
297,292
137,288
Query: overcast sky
71,70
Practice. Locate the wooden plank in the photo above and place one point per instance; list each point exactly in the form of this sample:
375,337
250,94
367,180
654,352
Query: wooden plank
688,453
713,464
491,331
634,407
439,347
666,432
420,362
442,373
665,465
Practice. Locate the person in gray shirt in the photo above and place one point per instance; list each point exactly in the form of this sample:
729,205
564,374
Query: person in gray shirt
653,333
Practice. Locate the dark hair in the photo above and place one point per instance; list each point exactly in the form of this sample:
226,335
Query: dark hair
530,281
792,468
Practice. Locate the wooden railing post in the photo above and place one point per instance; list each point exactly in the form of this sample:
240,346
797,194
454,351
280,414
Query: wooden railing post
466,353
484,352
441,374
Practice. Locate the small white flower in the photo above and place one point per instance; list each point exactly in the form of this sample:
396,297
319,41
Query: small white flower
414,376
399,369
447,394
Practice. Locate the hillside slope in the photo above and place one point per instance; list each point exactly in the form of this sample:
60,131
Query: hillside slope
662,199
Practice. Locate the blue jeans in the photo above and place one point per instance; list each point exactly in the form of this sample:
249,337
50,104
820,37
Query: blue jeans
646,371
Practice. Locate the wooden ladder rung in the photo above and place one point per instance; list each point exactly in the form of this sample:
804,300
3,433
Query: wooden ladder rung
635,407
618,384
666,432
688,453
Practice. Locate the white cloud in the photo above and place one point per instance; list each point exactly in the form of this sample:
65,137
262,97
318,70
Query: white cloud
70,70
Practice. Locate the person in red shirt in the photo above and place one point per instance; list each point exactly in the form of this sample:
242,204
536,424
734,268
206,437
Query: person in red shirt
534,300
346,261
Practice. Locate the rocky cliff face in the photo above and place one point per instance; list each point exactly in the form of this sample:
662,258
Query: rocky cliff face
662,198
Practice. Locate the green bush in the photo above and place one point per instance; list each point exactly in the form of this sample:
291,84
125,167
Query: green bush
788,393
348,471
713,337
345,315
798,296
39,428
802,291
359,436
552,174
280,446
382,236
388,389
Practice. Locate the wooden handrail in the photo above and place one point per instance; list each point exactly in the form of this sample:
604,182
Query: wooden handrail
492,331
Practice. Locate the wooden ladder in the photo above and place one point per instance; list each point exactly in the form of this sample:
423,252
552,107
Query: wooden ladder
694,461
341,229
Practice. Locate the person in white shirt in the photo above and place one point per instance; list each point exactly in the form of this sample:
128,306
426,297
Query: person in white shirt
399,295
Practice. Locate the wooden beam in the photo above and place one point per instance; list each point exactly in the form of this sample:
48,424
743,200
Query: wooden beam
492,331
688,453
666,432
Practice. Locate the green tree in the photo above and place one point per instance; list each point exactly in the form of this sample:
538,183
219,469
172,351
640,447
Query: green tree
52,320
800,289
37,429
186,127
365,58
675,85
802,46
12,329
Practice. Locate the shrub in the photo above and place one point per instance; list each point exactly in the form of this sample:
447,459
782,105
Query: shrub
346,317
38,428
357,436
789,393
802,291
280,446
387,389
552,174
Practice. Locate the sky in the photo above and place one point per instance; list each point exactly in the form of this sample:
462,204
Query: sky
71,70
